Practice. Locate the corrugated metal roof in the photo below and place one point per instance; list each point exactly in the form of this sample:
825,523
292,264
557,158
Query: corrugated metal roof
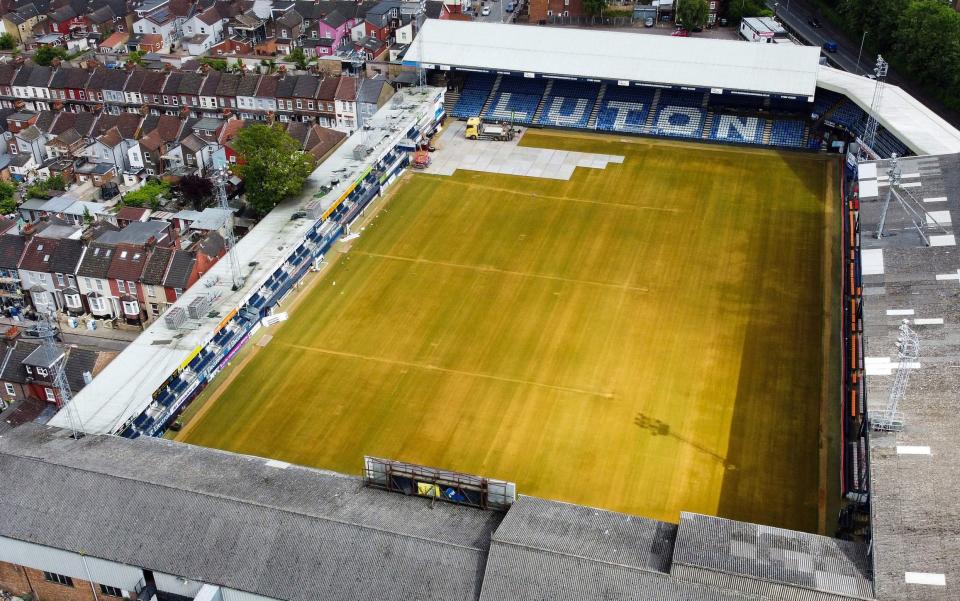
706,63
708,547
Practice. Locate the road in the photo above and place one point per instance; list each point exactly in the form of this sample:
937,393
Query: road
498,14
795,13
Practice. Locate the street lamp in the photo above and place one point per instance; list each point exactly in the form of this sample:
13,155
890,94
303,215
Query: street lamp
865,32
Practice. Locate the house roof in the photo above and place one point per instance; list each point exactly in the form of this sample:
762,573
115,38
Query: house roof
212,245
328,88
138,233
172,85
111,138
191,83
285,86
306,86
108,79
117,38
156,266
11,249
153,82
290,19
127,124
128,263
82,122
102,15
69,77
211,83
67,138
370,90
38,254
96,261
68,255
248,84
179,270
335,19
151,40
132,213
193,143
321,140
347,89
11,361
228,84
44,356
268,86
209,16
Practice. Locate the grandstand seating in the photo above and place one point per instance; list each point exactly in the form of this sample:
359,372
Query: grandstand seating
475,92
679,114
787,134
569,104
516,100
737,128
663,112
624,109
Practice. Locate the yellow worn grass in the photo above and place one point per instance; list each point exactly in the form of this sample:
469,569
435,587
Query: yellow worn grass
646,338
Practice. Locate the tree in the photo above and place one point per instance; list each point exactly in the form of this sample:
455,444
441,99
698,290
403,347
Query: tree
87,217
7,42
45,55
594,8
271,164
298,58
136,57
217,64
737,10
692,14
195,189
148,194
239,66
8,203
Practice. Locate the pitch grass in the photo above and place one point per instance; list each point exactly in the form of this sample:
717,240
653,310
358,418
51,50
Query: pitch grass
649,338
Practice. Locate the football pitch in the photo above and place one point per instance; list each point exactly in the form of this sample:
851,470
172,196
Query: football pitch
652,337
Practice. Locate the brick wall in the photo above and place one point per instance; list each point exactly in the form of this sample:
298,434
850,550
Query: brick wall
21,580
13,579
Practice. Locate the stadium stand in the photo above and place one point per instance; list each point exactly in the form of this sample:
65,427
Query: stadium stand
680,115
474,95
625,109
569,104
737,128
787,134
516,100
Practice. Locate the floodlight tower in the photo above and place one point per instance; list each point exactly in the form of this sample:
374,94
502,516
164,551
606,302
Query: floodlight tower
894,173
908,351
220,185
46,332
870,131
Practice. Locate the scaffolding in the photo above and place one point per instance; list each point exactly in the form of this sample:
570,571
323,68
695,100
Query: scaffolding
908,352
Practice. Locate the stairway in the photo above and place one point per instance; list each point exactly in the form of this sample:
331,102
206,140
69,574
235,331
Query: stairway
767,130
707,126
595,113
706,100
806,136
450,100
493,94
651,116
543,102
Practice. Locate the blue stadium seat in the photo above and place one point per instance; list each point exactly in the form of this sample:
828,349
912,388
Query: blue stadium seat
679,115
787,133
516,100
624,109
475,92
737,128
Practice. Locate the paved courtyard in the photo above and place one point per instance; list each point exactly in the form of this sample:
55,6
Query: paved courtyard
508,158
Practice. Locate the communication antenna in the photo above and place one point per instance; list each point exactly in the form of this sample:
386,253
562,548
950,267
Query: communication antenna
914,209
46,332
220,177
870,131
908,351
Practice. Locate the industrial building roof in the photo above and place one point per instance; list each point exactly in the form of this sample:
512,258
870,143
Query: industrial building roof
922,130
784,69
302,534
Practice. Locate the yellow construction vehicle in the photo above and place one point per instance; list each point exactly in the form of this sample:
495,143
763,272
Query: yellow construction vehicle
478,130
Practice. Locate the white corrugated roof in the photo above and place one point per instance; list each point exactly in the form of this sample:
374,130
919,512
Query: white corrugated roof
922,130
770,68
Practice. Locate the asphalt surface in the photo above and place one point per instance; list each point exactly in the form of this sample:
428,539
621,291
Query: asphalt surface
795,15
498,13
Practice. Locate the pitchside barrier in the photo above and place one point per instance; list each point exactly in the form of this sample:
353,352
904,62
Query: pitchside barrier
454,487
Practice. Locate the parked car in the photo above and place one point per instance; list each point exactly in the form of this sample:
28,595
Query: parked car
648,22
830,46
486,11
681,33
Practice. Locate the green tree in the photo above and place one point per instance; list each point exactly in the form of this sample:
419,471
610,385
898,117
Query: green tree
737,10
928,45
594,8
239,66
271,164
45,55
217,64
136,57
8,203
7,42
692,14
87,217
298,58
148,194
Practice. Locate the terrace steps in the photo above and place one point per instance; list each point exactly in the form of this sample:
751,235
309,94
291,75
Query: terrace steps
595,113
543,101
648,126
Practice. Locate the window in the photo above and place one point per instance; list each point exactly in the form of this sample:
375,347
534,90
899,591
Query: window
42,371
131,286
72,300
283,33
110,591
57,578
131,307
299,104
178,292
166,100
10,390
60,279
53,399
149,290
121,286
96,304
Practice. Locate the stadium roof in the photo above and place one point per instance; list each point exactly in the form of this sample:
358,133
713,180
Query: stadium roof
784,69
125,388
300,534
922,130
